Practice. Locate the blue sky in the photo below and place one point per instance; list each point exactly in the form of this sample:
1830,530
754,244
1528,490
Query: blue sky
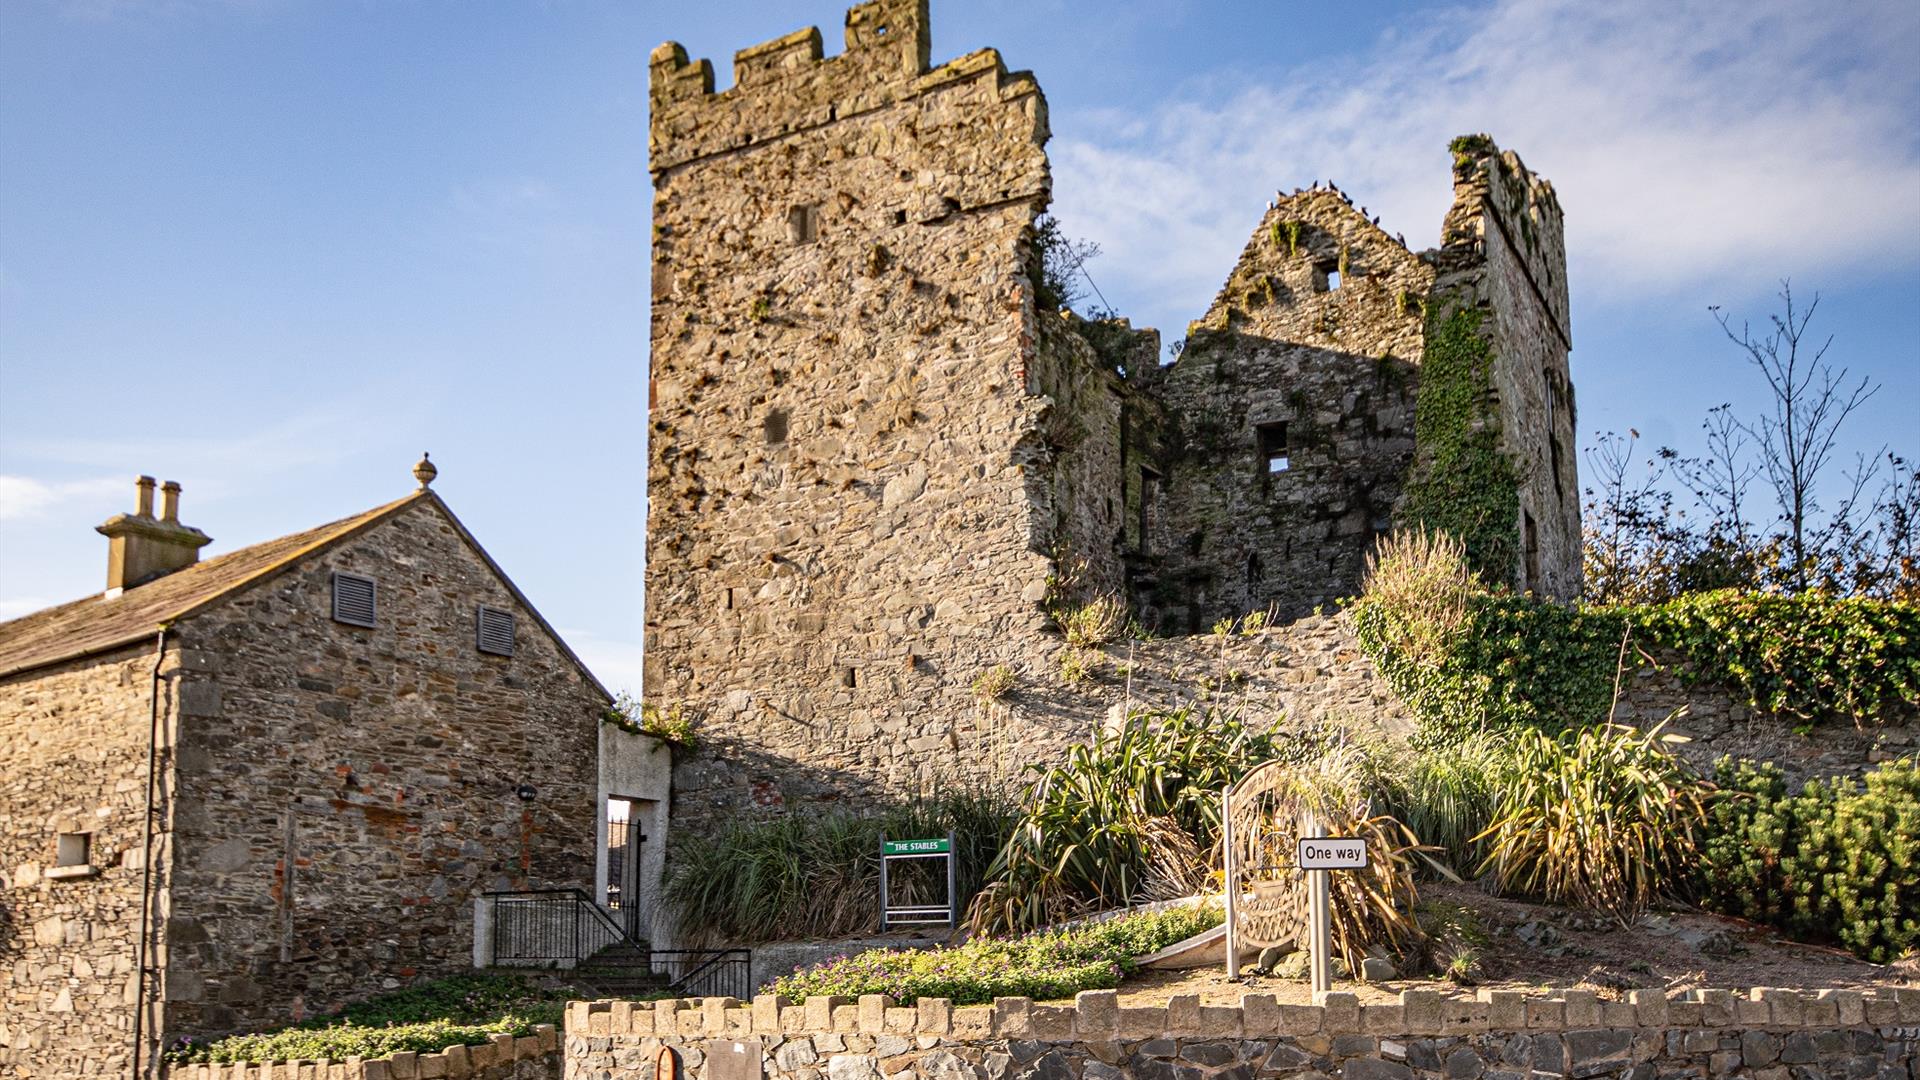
275,248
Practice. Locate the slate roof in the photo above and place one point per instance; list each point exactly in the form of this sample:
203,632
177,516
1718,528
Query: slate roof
96,624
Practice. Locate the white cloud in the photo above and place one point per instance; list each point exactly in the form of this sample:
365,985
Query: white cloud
23,497
1691,143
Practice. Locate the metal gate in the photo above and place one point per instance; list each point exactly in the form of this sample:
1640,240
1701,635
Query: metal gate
624,838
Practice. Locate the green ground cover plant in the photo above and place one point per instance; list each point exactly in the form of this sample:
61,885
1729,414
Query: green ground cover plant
816,874
1042,965
1839,861
462,1010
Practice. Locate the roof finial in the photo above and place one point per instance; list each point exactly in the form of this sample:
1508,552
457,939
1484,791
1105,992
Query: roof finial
424,471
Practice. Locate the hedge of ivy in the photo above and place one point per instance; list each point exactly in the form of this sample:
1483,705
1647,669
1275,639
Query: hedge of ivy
1837,862
1519,661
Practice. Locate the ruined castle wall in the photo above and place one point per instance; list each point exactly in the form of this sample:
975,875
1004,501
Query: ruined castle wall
347,792
848,410
73,747
1512,224
1335,364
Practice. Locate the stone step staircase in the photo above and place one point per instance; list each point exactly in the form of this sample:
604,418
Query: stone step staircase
620,971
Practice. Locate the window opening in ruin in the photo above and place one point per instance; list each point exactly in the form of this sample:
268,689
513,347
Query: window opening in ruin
850,677
1333,280
776,427
803,224
1149,496
1559,486
1253,572
1532,540
74,849
726,600
899,217
1274,455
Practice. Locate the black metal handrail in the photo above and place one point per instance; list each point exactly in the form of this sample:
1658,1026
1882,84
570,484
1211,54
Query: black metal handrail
565,925
706,972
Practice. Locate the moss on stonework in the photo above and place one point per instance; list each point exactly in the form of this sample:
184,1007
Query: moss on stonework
1463,483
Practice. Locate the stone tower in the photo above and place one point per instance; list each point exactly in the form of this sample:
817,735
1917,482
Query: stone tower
851,453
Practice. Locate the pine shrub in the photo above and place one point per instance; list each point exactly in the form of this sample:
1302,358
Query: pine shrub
1837,862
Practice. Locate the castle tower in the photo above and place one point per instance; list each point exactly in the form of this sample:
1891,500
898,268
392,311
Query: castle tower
848,475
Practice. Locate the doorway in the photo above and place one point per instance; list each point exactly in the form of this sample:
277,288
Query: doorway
625,838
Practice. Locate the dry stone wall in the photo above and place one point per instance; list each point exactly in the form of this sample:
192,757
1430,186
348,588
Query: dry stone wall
348,792
73,747
1767,1034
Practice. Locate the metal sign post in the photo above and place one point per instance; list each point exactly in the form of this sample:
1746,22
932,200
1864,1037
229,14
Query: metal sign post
1319,856
947,914
1233,887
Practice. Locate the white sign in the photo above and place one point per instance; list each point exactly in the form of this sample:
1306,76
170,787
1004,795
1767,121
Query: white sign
1332,853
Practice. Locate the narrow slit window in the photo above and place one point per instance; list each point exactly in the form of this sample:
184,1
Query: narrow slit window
1333,280
355,599
493,630
1274,454
776,427
850,677
803,224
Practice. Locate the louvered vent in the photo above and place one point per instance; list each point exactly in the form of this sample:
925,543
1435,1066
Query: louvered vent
494,630
353,599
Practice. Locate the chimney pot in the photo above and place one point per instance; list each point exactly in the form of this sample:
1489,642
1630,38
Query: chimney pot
140,549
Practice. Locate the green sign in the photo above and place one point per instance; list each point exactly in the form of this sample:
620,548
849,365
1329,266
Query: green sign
916,847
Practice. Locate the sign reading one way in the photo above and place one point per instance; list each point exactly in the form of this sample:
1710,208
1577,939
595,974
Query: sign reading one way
1332,853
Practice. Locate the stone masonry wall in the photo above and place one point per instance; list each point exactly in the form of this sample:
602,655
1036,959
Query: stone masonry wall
73,746
1768,1034
505,1057
347,792
849,501
1337,368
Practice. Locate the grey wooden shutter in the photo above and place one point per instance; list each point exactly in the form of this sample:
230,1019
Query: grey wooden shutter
353,599
493,630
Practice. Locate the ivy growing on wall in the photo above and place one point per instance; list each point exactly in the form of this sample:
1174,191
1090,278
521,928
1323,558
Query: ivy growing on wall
1463,483
1464,657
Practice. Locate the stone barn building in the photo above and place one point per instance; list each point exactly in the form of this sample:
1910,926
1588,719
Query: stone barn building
351,733
878,451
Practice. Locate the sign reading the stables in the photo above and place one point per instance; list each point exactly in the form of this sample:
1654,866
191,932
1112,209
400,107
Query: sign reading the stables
917,847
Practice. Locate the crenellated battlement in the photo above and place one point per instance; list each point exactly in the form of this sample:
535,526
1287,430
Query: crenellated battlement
788,85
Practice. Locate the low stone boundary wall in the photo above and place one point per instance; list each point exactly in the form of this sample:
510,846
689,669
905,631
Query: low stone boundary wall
528,1057
1768,1034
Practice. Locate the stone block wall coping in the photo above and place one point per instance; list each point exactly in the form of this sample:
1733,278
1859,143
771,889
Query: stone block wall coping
1098,1016
453,1063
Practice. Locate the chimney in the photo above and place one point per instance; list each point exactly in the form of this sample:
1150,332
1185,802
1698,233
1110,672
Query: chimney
140,548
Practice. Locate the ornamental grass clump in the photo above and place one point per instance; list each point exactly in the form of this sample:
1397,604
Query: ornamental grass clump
1602,819
1122,819
1042,965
